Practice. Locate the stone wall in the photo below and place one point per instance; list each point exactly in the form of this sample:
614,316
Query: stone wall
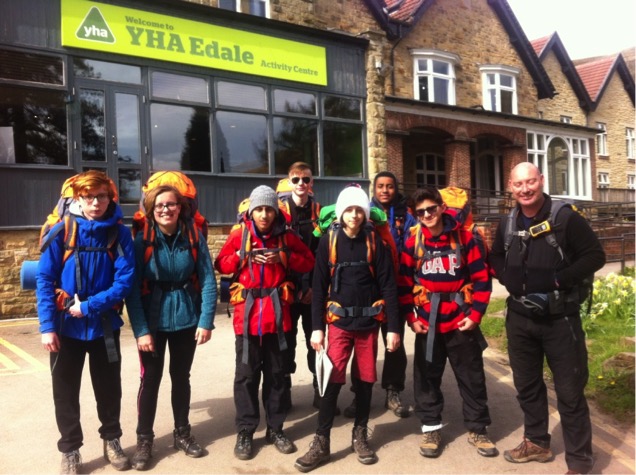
616,111
19,246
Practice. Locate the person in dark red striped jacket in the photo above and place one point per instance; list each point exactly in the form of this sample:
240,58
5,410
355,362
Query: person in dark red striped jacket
444,290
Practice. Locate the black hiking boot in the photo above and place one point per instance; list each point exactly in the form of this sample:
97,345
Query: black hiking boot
185,441
143,453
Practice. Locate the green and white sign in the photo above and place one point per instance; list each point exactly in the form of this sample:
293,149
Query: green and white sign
112,29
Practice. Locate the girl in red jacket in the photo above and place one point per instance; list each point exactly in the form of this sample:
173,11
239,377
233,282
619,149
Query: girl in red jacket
260,252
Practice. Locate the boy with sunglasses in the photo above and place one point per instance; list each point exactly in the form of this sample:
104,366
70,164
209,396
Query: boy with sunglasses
444,278
304,210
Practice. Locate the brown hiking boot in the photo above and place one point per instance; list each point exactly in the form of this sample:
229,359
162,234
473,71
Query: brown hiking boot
485,446
114,454
71,463
360,445
430,445
318,454
526,451
393,403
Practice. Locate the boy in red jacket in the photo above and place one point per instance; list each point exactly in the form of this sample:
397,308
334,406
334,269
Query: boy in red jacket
444,275
260,252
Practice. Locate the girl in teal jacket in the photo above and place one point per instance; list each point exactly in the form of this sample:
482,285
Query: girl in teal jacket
172,304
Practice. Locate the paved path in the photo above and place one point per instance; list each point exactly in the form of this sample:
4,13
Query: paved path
28,437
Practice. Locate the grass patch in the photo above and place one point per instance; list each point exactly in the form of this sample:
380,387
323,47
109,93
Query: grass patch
607,327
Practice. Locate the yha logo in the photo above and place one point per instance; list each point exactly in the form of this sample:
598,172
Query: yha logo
95,28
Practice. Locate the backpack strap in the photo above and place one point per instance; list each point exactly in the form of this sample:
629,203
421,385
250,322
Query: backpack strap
336,267
422,254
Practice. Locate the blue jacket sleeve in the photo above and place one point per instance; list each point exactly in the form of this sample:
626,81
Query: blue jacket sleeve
134,305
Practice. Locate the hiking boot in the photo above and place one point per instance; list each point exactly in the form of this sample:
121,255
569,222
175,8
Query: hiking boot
318,454
280,441
114,454
360,445
243,447
143,453
350,410
526,451
393,403
71,462
183,440
484,445
430,445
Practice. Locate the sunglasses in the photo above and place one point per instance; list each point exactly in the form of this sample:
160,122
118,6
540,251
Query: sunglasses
305,179
430,210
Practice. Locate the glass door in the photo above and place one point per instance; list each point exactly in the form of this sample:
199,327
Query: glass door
110,126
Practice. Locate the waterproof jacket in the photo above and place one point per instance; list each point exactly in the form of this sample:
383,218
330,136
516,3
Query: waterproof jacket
172,262
400,219
535,266
444,274
262,318
106,277
358,286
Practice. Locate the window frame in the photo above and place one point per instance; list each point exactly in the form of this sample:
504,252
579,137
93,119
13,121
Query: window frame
431,56
601,139
630,143
603,179
239,8
631,181
498,71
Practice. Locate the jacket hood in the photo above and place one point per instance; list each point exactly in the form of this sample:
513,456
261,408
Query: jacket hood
450,224
112,215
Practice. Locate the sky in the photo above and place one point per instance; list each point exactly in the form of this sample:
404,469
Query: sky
586,28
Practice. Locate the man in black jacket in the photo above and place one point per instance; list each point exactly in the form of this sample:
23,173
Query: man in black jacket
543,261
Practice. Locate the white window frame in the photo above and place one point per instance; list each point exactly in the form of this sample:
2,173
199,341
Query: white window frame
601,139
430,57
566,119
603,180
631,181
498,71
579,162
630,143
265,3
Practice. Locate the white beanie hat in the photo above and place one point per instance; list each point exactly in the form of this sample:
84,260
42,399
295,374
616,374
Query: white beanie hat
263,196
352,196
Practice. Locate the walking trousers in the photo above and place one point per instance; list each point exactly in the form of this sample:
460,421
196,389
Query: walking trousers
182,348
66,371
264,358
464,353
562,342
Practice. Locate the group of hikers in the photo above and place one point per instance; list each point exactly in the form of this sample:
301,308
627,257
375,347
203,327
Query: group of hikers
345,274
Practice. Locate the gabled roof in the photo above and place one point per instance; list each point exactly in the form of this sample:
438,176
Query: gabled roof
543,46
399,17
597,73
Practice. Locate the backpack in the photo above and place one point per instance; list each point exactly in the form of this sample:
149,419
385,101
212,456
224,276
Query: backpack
545,229
284,192
327,223
194,223
458,206
61,213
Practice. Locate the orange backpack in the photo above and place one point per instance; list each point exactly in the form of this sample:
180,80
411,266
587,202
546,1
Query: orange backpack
194,224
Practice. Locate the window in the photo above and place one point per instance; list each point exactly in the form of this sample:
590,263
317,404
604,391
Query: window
434,74
566,119
630,141
558,167
499,85
343,136
603,180
93,69
430,170
179,88
253,7
631,181
601,139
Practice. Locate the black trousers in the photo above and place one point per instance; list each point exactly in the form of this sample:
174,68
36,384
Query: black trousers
464,353
66,370
300,312
182,348
562,342
267,360
329,404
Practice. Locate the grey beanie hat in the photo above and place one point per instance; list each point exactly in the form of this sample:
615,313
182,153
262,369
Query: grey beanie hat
263,196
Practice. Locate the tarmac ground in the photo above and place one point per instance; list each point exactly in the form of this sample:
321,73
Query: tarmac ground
29,434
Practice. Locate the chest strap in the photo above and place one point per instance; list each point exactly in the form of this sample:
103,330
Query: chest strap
250,295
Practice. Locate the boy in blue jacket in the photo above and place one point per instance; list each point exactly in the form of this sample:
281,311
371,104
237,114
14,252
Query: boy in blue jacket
85,272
